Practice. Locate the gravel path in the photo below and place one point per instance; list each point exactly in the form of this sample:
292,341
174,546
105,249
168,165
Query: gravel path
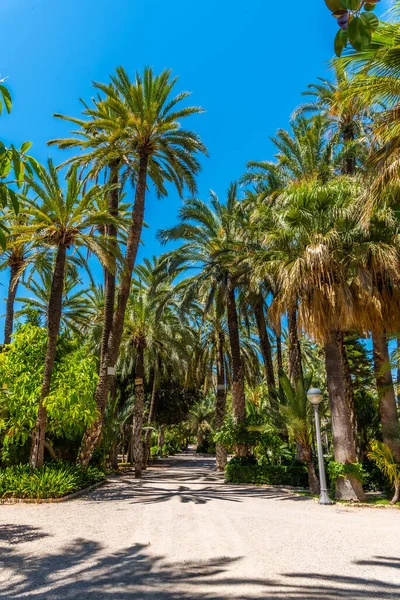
181,534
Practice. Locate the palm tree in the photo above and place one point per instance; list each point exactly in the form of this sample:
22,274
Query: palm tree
201,418
156,148
385,460
58,220
349,118
100,139
209,234
315,271
16,258
76,306
154,335
295,410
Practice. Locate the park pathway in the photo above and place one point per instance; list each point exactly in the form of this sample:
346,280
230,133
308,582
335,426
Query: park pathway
181,534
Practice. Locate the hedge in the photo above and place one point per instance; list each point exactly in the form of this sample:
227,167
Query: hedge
239,471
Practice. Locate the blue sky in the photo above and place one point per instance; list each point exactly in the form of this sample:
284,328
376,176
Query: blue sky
246,63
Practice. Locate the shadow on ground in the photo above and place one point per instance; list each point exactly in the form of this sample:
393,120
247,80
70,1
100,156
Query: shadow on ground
83,570
203,484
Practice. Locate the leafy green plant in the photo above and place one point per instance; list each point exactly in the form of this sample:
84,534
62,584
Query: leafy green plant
248,470
53,480
356,23
336,470
385,460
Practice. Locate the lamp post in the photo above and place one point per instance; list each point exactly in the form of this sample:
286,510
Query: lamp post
314,396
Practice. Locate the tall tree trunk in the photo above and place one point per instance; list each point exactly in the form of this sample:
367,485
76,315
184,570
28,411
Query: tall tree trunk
220,404
150,419
265,346
343,434
295,368
12,292
349,389
238,396
387,398
110,274
398,371
137,426
279,359
313,482
160,441
53,328
92,435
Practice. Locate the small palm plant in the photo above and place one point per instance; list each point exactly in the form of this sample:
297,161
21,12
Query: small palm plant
386,462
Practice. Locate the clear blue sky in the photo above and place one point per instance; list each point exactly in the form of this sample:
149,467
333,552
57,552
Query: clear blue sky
245,62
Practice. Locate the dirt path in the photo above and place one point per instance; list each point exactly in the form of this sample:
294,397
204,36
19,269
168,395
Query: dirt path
181,534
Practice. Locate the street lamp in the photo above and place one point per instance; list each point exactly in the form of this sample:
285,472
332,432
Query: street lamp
314,396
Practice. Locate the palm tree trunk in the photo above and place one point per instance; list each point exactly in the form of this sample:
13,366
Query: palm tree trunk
313,482
265,346
220,404
349,390
137,426
93,434
398,371
396,496
295,368
343,434
160,441
53,329
110,274
150,419
238,396
387,398
12,292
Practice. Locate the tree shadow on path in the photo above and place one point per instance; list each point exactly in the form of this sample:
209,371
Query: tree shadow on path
84,570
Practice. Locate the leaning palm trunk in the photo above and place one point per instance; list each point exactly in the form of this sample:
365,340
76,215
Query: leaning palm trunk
93,434
295,367
12,292
387,398
343,434
110,270
53,328
265,346
137,425
151,417
220,404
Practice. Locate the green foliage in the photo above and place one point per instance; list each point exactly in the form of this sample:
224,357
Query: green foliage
356,21
248,470
336,470
53,480
386,462
70,404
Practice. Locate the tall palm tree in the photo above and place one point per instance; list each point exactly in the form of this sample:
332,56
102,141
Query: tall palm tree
15,258
316,272
201,418
349,118
209,235
99,138
154,335
59,220
76,306
156,149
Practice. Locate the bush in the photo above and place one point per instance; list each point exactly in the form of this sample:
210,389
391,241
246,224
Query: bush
248,470
53,480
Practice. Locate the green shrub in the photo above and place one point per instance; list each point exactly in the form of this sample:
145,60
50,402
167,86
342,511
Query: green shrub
53,480
248,470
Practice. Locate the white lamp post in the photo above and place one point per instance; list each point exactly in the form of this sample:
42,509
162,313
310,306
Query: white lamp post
314,396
